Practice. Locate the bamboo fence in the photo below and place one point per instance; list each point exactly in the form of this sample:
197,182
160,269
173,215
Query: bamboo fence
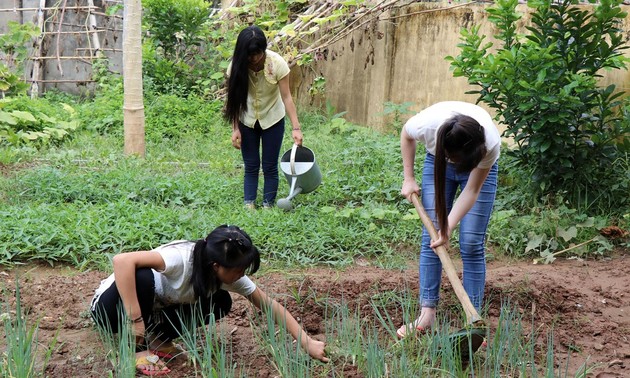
58,20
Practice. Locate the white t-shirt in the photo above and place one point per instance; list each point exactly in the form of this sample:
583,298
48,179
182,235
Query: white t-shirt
172,285
424,126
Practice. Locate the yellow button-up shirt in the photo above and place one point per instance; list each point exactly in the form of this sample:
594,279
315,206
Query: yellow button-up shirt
264,102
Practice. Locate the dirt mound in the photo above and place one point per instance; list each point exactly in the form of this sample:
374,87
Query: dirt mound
586,304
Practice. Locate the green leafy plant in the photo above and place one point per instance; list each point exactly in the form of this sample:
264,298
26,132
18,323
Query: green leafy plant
395,112
10,83
24,121
14,52
547,233
318,86
14,43
568,131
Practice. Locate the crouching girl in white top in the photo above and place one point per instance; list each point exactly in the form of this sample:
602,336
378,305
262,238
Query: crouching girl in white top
158,288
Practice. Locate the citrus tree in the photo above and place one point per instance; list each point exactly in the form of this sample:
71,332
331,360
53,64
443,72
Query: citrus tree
571,134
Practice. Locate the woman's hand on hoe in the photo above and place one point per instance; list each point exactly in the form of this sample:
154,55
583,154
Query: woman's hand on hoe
409,187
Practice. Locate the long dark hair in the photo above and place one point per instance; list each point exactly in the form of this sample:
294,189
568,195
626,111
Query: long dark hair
250,41
462,140
228,246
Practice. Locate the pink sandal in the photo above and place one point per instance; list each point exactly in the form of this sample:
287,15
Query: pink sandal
168,351
157,367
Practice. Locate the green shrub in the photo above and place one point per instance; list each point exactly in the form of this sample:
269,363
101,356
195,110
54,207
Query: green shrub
14,52
177,58
103,113
570,134
176,26
171,116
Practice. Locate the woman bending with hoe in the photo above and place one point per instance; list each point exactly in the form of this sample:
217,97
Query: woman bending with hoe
462,144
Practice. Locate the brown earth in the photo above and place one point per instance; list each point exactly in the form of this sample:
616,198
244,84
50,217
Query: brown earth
587,303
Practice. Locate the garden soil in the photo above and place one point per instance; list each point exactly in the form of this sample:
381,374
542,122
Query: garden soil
586,303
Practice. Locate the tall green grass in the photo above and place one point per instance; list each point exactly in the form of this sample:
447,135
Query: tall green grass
120,348
22,356
284,354
359,340
209,351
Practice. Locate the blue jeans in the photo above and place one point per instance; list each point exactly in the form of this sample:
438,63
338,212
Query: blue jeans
472,234
250,149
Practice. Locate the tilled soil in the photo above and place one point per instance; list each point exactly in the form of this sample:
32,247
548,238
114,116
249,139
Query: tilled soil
585,303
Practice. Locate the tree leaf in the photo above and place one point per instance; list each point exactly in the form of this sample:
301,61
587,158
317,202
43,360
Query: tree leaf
7,118
23,116
567,234
534,242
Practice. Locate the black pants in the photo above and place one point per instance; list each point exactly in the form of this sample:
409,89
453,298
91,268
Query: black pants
167,323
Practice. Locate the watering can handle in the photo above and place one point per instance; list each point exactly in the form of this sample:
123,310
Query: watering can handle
292,161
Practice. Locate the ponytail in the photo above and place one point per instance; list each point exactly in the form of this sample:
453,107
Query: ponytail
462,141
203,277
439,177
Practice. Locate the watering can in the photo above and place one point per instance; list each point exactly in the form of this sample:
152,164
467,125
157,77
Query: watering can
301,171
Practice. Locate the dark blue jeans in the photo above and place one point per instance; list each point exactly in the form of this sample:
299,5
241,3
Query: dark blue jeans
472,234
271,139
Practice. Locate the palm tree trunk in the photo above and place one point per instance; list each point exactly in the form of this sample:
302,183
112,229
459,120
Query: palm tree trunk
133,107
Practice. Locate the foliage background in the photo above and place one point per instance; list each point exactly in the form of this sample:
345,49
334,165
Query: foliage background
75,198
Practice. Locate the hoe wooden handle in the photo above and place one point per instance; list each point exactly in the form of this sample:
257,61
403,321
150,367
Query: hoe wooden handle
471,313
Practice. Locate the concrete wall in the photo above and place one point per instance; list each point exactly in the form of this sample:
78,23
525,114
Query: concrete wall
402,60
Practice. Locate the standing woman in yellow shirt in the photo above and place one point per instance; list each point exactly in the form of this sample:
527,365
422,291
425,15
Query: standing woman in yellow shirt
258,98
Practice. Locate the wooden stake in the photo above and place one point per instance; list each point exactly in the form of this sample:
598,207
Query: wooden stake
37,65
92,29
63,12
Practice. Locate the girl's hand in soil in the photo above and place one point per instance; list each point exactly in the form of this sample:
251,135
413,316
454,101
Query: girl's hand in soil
138,329
313,347
316,349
